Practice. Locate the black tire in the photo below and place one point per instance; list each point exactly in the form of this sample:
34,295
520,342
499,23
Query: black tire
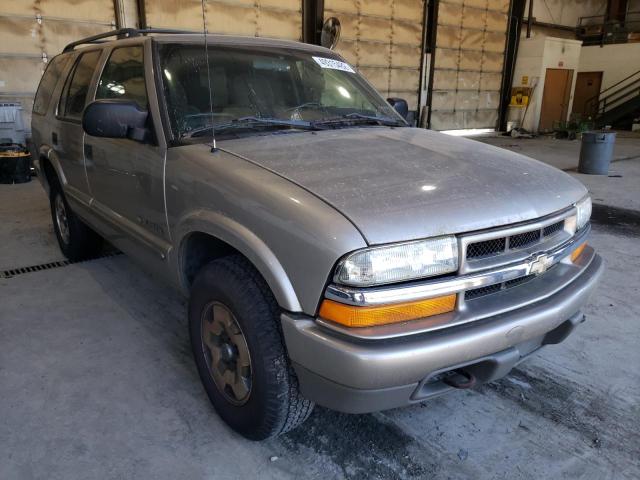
79,242
274,404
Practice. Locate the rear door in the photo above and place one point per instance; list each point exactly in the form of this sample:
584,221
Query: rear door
126,176
41,123
67,136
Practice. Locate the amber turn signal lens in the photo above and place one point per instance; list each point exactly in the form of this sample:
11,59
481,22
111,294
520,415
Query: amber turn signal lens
577,252
352,316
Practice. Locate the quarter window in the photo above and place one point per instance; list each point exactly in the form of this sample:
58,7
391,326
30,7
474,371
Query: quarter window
74,95
48,84
123,76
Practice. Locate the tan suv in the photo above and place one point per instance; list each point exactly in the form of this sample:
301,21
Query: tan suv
331,253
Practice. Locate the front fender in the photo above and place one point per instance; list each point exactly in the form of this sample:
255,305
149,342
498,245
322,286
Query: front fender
247,243
293,237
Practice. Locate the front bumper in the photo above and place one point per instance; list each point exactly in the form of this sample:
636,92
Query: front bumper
357,376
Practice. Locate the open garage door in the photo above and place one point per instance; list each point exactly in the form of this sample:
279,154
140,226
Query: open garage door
468,63
262,18
383,39
35,31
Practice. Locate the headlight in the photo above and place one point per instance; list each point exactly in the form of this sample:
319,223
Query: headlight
399,263
584,212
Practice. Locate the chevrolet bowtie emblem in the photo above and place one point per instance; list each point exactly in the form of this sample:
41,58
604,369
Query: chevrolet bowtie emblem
540,265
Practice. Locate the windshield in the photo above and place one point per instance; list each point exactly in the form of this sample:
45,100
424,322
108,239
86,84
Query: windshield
259,88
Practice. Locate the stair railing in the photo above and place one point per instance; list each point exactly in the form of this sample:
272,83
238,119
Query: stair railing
612,96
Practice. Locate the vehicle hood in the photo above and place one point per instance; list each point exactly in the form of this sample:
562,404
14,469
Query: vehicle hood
399,184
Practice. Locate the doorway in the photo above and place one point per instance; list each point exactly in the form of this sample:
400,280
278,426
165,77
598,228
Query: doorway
617,10
555,97
585,98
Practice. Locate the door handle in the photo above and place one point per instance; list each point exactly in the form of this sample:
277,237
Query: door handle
88,152
54,138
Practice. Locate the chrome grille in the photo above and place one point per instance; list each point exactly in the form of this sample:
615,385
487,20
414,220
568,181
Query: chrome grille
488,290
553,228
482,291
497,246
490,249
523,240
486,248
518,281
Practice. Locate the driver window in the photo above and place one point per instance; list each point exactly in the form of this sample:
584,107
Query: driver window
123,76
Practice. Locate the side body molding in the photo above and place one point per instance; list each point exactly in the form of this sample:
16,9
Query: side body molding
243,240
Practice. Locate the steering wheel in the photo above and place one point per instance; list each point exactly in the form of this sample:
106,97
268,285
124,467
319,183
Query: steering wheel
302,106
296,111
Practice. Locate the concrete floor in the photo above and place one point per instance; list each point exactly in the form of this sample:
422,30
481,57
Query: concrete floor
97,380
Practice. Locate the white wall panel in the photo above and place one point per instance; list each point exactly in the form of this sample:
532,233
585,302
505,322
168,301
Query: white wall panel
262,18
383,40
469,57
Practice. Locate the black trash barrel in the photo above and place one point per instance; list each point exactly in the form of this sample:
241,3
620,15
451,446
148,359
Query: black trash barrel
596,152
15,164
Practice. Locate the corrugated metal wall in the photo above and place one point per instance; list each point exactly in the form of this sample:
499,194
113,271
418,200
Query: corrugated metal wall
33,31
383,39
264,18
468,64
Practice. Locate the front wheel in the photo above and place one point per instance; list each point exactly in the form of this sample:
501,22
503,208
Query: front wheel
238,349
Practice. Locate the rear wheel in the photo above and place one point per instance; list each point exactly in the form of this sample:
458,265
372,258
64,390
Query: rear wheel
234,325
77,241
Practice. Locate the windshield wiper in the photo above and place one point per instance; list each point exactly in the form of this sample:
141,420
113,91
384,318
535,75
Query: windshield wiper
359,118
250,123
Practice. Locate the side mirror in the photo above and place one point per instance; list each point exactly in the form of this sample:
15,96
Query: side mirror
399,105
115,119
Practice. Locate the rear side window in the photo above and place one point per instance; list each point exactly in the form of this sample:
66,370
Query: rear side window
74,94
48,84
123,76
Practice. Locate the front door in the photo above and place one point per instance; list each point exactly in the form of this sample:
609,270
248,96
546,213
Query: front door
555,97
126,176
585,98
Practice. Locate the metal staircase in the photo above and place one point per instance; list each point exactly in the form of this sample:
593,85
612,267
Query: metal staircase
617,105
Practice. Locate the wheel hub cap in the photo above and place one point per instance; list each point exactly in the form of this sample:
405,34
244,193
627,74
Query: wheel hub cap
226,353
61,218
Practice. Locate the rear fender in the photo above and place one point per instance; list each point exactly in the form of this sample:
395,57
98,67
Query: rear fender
46,152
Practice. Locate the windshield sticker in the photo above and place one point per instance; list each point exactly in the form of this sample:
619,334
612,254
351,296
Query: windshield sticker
333,64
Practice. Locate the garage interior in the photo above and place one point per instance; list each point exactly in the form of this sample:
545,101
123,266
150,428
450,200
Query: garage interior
96,373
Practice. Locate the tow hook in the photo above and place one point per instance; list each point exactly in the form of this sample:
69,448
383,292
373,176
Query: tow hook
460,378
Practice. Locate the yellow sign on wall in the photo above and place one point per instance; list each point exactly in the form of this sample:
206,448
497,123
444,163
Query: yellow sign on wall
520,96
525,80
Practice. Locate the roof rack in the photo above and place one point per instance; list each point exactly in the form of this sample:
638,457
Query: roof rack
119,34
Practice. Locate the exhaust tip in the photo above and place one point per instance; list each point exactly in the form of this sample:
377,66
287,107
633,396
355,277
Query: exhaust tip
459,378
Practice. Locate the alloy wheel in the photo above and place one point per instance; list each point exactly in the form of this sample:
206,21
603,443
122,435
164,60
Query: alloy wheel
61,219
226,353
